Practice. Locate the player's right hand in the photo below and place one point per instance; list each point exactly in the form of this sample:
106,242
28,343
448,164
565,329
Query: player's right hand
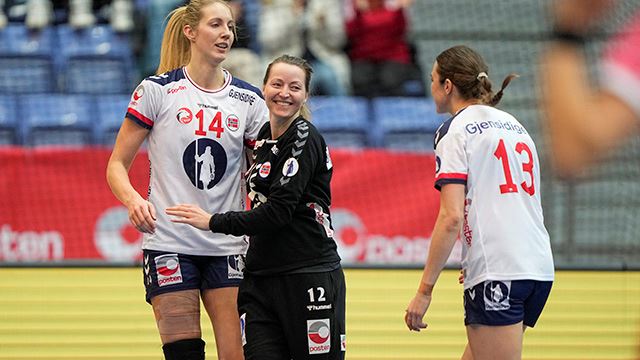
142,215
415,312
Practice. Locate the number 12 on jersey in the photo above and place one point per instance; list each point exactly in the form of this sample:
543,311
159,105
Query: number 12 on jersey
215,125
509,186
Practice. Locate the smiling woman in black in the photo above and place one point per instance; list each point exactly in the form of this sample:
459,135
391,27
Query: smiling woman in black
292,298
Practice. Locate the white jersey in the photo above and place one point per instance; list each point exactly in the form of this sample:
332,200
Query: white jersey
503,233
196,150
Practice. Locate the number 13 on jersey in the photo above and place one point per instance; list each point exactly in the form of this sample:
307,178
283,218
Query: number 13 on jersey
509,186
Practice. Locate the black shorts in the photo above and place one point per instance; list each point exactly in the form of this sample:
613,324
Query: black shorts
168,272
497,303
294,316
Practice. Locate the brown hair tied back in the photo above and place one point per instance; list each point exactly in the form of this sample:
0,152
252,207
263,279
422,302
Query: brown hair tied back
302,64
466,69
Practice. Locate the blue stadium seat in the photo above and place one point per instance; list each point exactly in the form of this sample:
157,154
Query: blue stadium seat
111,111
9,131
26,60
95,60
57,119
342,120
406,124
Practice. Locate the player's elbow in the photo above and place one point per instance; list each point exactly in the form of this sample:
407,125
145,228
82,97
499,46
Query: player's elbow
451,220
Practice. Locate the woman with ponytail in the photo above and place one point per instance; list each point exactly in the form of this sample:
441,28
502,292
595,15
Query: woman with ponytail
488,175
197,119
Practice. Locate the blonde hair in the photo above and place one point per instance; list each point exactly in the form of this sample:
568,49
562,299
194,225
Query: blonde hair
176,48
302,64
466,69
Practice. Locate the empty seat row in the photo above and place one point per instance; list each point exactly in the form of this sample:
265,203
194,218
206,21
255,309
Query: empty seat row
60,119
95,60
346,122
390,122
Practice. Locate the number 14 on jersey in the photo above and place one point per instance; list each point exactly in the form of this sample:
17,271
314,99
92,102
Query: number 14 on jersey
215,124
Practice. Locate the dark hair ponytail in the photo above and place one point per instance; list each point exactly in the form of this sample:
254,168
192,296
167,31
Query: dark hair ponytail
466,69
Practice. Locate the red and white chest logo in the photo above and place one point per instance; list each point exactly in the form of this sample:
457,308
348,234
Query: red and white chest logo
265,169
184,115
232,122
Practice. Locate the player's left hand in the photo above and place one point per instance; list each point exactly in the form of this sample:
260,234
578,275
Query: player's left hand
416,310
189,214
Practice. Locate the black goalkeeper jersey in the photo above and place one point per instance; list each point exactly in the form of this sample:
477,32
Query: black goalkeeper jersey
289,187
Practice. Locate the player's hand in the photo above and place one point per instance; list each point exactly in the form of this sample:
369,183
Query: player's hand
190,214
461,277
416,310
142,215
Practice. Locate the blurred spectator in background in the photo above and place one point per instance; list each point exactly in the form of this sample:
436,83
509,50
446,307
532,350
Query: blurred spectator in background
81,13
312,29
585,121
243,62
157,12
3,17
381,57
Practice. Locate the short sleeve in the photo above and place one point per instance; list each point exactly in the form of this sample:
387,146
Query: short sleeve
451,159
258,115
143,104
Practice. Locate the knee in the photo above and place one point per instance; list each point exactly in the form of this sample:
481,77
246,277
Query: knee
177,315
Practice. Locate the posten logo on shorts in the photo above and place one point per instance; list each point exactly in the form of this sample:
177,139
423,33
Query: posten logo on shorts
168,269
319,335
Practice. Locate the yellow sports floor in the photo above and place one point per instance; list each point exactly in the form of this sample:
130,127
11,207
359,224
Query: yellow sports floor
100,314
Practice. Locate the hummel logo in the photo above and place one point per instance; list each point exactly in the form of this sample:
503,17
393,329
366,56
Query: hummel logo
146,265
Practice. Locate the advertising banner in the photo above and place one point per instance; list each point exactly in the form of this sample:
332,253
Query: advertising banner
56,207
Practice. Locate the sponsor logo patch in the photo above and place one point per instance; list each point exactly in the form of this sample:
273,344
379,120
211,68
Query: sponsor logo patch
265,169
496,295
290,167
184,115
235,267
176,89
168,269
243,323
319,336
138,93
232,122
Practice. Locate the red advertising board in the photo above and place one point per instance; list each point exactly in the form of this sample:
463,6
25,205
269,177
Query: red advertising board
56,206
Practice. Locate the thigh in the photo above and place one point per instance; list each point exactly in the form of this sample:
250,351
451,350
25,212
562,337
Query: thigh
221,271
313,315
495,342
221,305
177,315
262,334
535,302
